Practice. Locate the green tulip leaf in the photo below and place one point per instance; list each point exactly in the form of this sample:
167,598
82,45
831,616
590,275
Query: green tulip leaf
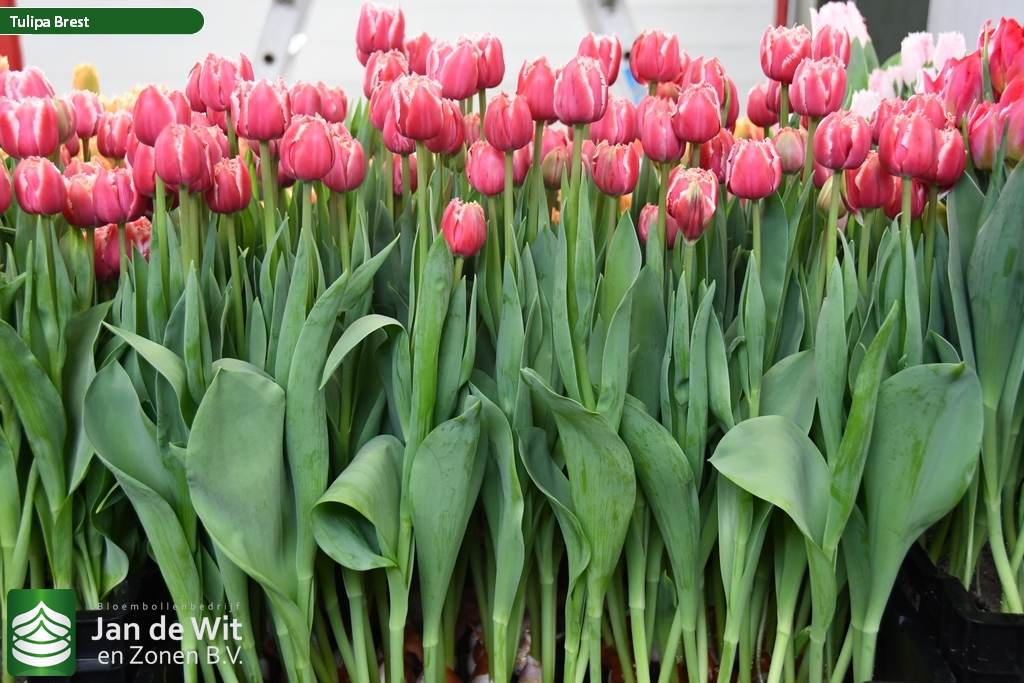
788,389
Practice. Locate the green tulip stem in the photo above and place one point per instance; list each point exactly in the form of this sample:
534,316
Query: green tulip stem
329,589
843,661
482,98
756,210
90,252
406,185
423,237
160,225
617,620
575,174
594,626
339,210
236,284
510,237
863,252
812,126
122,251
688,250
323,646
905,213
668,660
695,156
784,105
929,240
388,170
831,236
86,152
232,137
269,197
492,244
307,229
459,261
647,611
656,256
539,200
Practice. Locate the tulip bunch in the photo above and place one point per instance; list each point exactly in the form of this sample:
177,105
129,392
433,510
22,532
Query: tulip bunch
503,369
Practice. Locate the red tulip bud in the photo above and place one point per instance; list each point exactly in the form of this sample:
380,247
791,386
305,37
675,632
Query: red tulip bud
698,117
842,141
416,50
379,28
960,85
507,122
453,130
616,168
831,41
380,106
581,93
107,246
791,144
456,67
333,103
692,198
908,146
115,199
464,227
983,134
869,186
87,112
553,167
471,126
79,209
417,105
179,155
649,224
657,134
307,148
29,82
714,154
655,57
154,110
232,187
218,78
1005,53
819,87
782,50
490,65
381,69
757,107
485,167
195,100
112,136
39,187
522,158
537,85
951,158
396,175
929,106
773,98
918,198
885,110
67,119
143,170
395,141
605,49
618,125
30,128
261,110
349,169
754,170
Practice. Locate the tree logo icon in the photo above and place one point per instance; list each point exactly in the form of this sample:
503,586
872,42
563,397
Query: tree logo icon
40,632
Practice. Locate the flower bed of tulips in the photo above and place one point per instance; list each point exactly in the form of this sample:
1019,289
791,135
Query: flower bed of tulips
434,386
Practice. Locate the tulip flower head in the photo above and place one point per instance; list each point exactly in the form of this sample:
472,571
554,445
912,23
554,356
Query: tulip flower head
757,107
655,57
218,78
464,227
754,169
456,67
537,84
485,168
453,130
112,134
868,186
605,49
842,141
349,169
581,92
379,28
88,110
819,87
381,69
714,154
649,223
232,187
30,128
791,144
698,117
490,65
782,50
616,168
507,122
79,209
1005,53
307,148
831,41
39,187
618,125
918,199
416,50
416,101
261,110
907,146
657,134
155,109
692,198
951,158
115,198
179,155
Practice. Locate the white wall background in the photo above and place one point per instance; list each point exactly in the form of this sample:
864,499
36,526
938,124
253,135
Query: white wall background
728,29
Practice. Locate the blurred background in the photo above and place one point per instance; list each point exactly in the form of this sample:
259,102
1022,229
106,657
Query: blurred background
315,39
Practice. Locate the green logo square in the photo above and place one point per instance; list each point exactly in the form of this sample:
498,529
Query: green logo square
40,632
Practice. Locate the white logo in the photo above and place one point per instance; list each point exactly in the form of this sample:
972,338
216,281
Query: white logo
42,637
